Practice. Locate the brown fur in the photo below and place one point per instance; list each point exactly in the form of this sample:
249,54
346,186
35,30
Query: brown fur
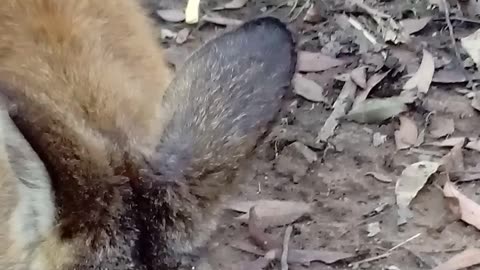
137,170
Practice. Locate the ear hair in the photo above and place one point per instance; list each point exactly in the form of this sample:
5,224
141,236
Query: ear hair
33,216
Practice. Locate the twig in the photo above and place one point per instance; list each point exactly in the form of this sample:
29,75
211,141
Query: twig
454,43
302,8
385,254
286,241
294,6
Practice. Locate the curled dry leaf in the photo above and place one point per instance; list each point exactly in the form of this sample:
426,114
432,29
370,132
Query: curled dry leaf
182,36
469,211
407,135
373,229
220,20
234,4
371,83
453,161
340,108
380,177
471,44
315,61
376,110
272,213
359,76
441,127
411,181
424,75
462,260
411,26
308,89
171,15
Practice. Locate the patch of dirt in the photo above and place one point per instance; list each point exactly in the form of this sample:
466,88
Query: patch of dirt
342,195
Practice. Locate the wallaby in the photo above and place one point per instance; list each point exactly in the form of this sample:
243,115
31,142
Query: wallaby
107,161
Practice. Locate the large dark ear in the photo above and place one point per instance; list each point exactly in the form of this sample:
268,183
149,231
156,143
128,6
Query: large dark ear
223,99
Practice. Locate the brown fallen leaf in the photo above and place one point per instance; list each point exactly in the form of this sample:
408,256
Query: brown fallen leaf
234,4
411,181
315,61
473,144
340,108
476,101
313,14
450,142
182,36
411,26
220,20
376,110
371,83
359,76
464,259
453,161
257,234
272,213
407,135
298,256
469,210
424,75
471,44
441,127
171,15
380,177
308,89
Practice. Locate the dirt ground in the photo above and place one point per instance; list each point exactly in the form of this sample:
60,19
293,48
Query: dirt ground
336,184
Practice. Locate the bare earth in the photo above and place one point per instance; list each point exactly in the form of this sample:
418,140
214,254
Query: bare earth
336,183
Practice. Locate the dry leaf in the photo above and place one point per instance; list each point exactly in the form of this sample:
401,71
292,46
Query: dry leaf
376,110
380,177
182,36
257,234
373,229
192,11
304,256
411,181
407,135
234,4
167,33
476,101
315,61
308,89
313,14
359,76
272,213
473,144
471,44
469,177
464,259
441,127
220,20
450,142
171,15
340,107
450,76
424,75
371,83
378,139
411,26
453,161
469,210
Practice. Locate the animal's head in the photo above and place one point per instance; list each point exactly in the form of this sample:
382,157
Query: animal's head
140,208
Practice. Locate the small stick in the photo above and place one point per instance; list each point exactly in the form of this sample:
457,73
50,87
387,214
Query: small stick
286,241
385,254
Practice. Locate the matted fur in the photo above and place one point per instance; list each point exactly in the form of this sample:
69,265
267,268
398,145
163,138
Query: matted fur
114,163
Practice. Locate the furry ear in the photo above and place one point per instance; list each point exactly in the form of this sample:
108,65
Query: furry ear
33,216
222,102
